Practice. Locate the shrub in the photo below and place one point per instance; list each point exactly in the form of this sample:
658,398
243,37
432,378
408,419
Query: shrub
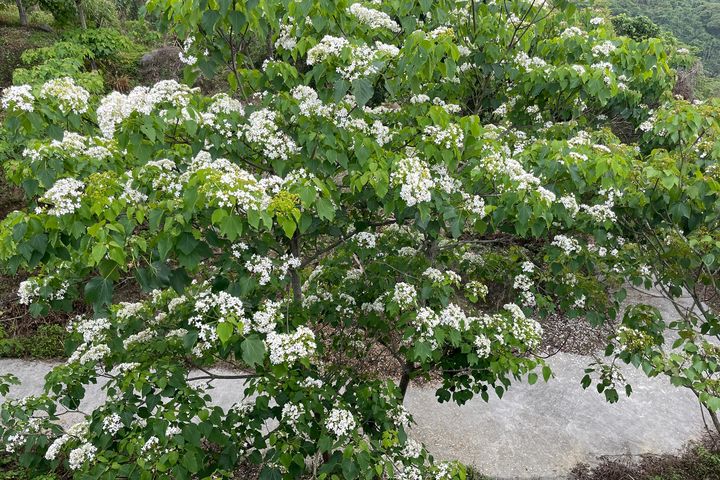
637,28
62,59
46,342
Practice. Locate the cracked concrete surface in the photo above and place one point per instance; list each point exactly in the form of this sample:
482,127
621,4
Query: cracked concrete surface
533,432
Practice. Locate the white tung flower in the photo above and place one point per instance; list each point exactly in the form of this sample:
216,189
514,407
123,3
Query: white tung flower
184,54
291,413
366,239
64,196
404,295
112,424
18,97
373,18
79,456
604,49
329,46
413,177
69,96
95,354
291,347
340,422
285,39
448,137
567,244
27,290
482,346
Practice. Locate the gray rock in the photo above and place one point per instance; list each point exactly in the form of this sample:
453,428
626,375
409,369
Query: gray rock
160,64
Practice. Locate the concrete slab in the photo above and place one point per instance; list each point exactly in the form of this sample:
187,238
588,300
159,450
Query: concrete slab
538,431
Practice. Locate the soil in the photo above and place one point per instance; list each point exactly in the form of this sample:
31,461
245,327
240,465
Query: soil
14,40
699,461
573,335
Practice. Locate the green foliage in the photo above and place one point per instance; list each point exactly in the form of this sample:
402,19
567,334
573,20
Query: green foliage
695,22
142,32
47,342
13,42
637,28
10,470
62,59
99,13
418,179
114,53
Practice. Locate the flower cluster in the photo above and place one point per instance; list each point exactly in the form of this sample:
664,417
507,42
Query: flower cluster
116,107
503,168
603,212
69,96
526,330
373,18
285,39
291,413
184,55
227,184
265,266
604,49
73,145
414,178
404,295
524,285
262,128
340,422
265,319
442,278
18,97
447,137
329,46
365,61
65,197
291,347
366,239
567,244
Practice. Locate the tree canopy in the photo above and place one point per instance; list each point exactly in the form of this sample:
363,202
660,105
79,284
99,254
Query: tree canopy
417,180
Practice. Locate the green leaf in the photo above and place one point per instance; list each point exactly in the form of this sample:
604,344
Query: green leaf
186,243
349,468
237,20
709,259
209,19
189,461
225,331
288,225
325,209
268,473
532,378
362,90
340,89
98,291
253,350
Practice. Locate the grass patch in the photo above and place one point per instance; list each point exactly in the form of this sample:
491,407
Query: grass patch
48,341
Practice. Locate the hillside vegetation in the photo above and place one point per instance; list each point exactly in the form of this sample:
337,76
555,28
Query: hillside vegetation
696,22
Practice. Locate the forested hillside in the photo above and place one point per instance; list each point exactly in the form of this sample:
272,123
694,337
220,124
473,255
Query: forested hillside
696,22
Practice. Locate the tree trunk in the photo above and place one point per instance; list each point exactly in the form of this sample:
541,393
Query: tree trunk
294,275
405,379
81,14
22,13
